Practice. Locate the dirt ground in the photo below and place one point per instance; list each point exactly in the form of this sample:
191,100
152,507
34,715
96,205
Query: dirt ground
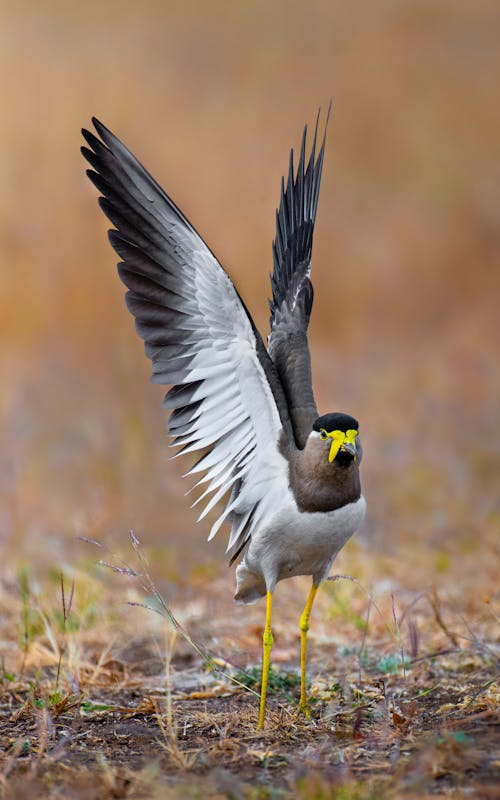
138,719
375,739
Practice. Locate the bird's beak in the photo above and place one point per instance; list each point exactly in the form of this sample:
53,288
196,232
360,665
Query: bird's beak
347,447
345,442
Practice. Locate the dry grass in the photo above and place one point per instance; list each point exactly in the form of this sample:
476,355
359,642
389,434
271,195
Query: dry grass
97,699
403,694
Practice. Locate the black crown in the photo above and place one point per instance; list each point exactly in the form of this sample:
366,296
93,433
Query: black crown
336,422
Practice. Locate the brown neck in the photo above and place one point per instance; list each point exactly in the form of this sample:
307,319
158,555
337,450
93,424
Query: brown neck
318,485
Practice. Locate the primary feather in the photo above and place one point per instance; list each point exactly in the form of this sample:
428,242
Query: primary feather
292,289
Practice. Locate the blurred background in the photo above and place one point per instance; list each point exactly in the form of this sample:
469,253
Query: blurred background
404,335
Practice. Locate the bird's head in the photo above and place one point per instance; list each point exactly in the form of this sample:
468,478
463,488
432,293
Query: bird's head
338,435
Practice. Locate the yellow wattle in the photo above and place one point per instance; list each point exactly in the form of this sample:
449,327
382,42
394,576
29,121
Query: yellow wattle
338,439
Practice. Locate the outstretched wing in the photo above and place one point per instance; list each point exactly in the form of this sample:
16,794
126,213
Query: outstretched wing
225,398
292,299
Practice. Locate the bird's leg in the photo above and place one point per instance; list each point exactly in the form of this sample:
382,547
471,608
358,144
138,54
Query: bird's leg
267,641
304,627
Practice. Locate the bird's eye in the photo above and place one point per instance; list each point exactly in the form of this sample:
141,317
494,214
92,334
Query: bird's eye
323,434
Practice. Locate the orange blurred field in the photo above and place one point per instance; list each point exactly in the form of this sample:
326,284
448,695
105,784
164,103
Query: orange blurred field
404,333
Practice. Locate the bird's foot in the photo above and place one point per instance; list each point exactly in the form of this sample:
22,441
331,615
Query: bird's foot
304,709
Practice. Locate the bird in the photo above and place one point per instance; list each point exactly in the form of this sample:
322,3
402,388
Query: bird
289,476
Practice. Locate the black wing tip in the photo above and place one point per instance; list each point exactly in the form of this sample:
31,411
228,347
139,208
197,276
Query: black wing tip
295,178
296,216
90,138
313,159
107,137
93,176
99,126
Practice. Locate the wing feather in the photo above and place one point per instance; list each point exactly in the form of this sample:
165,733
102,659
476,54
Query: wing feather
226,397
292,298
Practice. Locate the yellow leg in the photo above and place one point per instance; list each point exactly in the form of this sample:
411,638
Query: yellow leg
267,641
304,627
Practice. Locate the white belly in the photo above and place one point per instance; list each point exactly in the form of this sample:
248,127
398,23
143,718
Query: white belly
295,543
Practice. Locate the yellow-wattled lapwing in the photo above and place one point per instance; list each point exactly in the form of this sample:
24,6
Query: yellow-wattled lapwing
292,475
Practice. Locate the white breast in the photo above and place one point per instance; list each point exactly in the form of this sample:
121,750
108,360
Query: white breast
295,543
